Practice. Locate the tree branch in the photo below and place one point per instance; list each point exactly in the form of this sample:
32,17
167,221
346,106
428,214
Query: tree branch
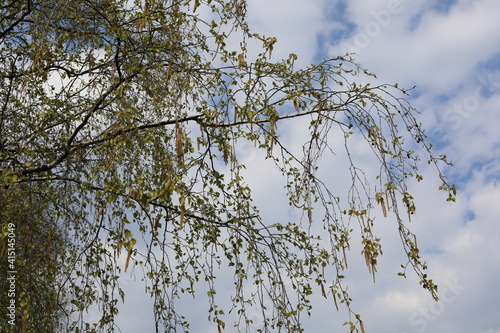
69,147
13,25
127,196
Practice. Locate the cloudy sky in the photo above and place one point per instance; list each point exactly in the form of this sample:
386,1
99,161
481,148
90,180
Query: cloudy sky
449,50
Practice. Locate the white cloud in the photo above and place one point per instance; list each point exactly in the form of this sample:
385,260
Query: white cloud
493,330
447,46
295,24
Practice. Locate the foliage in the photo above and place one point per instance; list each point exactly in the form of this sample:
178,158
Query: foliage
124,119
32,259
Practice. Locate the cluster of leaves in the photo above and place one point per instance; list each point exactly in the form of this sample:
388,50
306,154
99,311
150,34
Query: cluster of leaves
33,247
125,117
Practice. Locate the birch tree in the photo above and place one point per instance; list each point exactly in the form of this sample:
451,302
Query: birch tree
125,117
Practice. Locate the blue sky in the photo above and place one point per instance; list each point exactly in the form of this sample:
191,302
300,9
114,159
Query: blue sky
451,51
